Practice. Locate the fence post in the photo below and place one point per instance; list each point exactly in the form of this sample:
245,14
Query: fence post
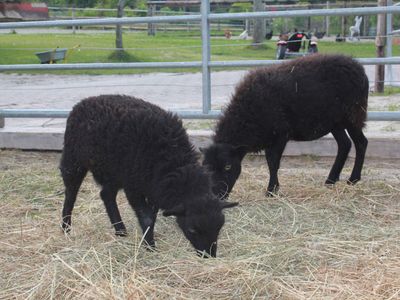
327,20
205,37
73,17
151,27
380,49
389,52
259,24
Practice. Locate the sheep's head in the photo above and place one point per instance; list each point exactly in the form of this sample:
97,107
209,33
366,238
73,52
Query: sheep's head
201,224
224,161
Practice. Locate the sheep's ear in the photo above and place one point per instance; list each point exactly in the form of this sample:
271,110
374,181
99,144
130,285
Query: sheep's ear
177,210
225,204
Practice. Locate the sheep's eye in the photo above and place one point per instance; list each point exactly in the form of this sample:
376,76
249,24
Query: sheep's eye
228,167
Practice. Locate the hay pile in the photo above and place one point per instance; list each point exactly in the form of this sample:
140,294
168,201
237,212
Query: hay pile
310,242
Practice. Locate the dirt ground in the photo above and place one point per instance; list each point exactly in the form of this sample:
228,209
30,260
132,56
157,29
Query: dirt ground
309,242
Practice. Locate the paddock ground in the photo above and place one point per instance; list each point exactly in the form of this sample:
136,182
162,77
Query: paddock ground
311,241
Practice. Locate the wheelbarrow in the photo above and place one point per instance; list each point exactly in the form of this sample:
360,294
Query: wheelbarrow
52,56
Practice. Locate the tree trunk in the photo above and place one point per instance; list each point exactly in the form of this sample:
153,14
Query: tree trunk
259,25
380,49
118,31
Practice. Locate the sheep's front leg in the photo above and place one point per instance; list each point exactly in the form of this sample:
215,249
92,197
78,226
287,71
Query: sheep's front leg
72,180
146,214
273,154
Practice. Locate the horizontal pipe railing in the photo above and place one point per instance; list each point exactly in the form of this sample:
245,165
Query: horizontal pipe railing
101,21
166,65
211,17
185,114
100,66
63,113
307,13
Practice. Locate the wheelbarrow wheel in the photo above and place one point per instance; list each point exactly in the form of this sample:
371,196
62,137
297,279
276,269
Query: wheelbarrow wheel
280,51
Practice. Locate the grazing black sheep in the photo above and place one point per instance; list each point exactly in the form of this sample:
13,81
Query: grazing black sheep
301,100
136,146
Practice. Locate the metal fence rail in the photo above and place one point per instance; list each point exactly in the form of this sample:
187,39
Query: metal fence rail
185,114
206,64
169,65
209,17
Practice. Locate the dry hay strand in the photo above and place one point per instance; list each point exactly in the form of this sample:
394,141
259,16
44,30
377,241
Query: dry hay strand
310,241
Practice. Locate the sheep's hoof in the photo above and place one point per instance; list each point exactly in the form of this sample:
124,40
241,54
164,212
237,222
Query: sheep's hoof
150,246
272,192
330,182
66,227
351,181
121,232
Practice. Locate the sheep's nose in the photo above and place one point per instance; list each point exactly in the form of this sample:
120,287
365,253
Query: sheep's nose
211,252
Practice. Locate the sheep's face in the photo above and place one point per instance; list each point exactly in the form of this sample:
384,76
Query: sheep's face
224,161
201,225
202,231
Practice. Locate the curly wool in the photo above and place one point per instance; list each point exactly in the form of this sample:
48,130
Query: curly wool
303,99
126,141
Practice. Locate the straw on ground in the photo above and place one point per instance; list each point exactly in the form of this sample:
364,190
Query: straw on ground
309,242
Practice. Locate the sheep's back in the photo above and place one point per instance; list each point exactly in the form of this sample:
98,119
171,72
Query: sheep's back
120,137
296,96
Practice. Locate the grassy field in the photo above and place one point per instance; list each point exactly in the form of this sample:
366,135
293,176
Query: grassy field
310,242
21,48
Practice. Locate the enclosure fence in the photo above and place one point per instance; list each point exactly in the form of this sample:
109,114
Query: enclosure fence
205,18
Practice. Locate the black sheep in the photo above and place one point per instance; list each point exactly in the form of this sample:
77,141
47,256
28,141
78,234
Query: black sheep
136,146
302,100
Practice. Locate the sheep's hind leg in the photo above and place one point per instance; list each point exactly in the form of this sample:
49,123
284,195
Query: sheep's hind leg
360,143
344,145
72,180
146,214
108,195
273,154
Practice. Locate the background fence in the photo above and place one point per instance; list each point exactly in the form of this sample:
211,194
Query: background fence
204,19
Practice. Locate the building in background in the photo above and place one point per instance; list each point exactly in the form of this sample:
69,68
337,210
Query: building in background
23,11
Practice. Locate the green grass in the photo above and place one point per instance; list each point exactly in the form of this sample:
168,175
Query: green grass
164,47
389,90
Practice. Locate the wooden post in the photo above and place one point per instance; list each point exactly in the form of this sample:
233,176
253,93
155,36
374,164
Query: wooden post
118,28
380,49
151,29
327,20
73,18
366,25
259,25
344,23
